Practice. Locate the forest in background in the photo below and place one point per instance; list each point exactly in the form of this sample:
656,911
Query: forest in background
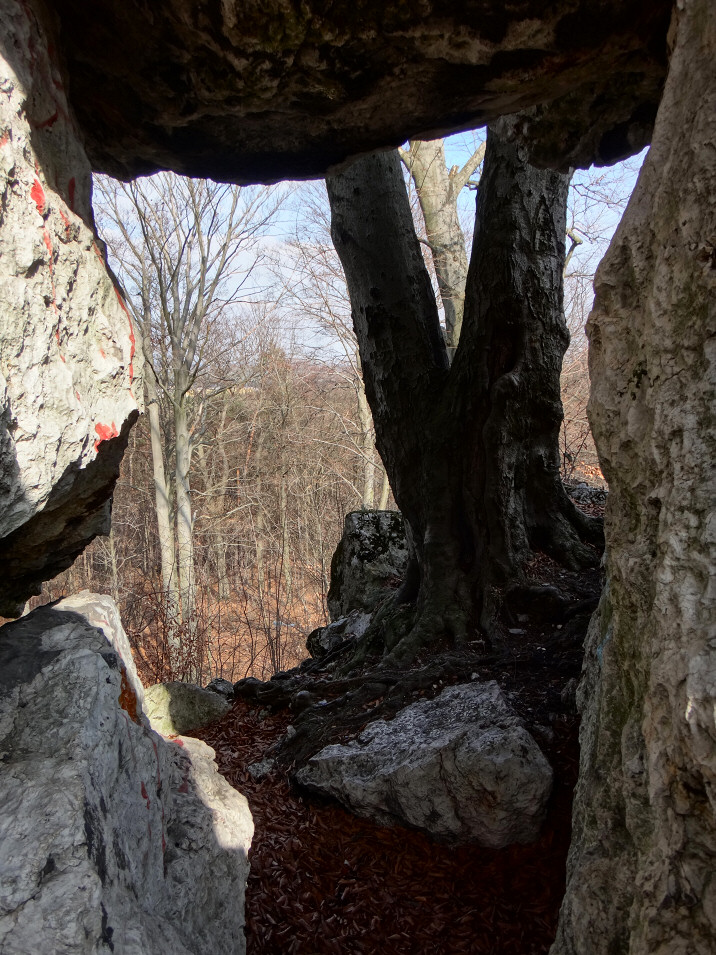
256,415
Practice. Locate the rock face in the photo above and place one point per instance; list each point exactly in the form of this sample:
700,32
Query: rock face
261,91
178,708
69,374
641,872
112,839
461,767
368,563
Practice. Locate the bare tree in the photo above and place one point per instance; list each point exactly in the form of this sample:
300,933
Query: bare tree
318,301
186,252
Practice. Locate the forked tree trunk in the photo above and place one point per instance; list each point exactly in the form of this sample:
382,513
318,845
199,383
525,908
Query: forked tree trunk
438,189
471,450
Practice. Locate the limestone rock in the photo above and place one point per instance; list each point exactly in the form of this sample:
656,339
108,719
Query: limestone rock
642,866
369,562
584,493
461,767
223,687
111,838
275,90
179,708
323,640
69,373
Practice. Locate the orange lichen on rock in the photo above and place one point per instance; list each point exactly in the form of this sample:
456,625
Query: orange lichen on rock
128,699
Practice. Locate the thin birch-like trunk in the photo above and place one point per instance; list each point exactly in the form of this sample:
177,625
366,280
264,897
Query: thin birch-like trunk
365,422
167,555
384,492
184,520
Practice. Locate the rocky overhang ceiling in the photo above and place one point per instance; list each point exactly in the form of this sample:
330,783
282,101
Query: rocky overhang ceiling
261,90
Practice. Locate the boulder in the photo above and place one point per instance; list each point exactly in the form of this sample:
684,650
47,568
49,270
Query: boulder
641,875
70,377
461,767
584,493
178,708
112,839
275,90
324,640
223,687
368,563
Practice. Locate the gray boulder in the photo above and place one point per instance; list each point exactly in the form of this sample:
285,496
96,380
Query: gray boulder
112,839
461,767
223,687
368,563
178,708
584,493
70,375
323,640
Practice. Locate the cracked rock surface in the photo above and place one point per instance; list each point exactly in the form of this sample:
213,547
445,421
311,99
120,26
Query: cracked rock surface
460,767
112,839
368,563
271,89
641,873
70,377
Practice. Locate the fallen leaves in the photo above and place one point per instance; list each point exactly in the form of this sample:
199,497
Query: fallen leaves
324,881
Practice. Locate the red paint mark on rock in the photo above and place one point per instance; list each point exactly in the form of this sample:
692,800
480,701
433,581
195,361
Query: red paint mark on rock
101,351
5,138
37,194
145,796
104,433
48,244
50,121
71,186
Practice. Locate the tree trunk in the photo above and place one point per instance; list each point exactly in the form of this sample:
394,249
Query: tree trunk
471,450
167,556
367,447
438,203
215,505
285,544
113,565
185,537
384,492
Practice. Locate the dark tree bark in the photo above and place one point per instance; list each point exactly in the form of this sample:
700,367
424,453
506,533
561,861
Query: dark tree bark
471,450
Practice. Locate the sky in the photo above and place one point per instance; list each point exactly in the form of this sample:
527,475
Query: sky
597,200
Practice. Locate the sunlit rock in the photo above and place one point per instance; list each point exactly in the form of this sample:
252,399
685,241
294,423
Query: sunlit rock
178,708
641,875
461,767
70,374
111,838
